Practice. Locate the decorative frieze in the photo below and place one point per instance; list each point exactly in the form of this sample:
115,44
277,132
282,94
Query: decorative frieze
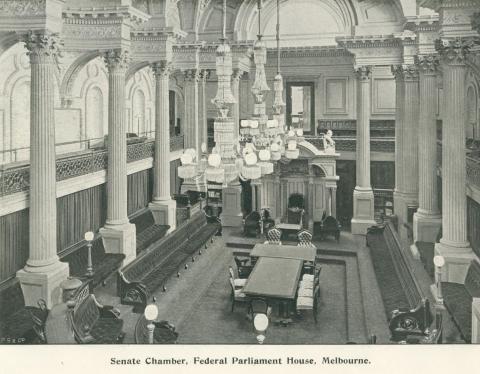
22,8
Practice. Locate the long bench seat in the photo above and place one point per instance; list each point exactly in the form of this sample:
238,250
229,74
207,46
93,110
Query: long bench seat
104,263
151,269
458,300
147,232
20,323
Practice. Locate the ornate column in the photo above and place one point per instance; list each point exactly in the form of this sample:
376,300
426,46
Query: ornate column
363,201
427,220
43,273
118,235
406,193
202,107
191,127
236,77
454,245
163,207
399,136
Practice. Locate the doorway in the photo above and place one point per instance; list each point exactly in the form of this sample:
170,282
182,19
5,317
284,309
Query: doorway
301,106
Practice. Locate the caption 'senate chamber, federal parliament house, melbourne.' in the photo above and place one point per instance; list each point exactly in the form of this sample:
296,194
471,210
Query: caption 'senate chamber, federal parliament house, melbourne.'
239,171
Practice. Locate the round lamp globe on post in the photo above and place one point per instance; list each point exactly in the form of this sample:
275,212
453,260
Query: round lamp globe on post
261,324
439,261
151,312
89,236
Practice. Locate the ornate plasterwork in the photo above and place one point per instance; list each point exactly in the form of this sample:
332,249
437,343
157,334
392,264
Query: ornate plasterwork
363,73
427,65
453,51
162,69
42,47
22,8
407,73
117,60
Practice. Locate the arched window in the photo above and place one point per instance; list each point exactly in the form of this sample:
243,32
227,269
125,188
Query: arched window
138,106
94,124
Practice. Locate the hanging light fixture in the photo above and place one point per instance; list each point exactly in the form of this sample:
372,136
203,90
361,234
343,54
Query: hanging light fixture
278,103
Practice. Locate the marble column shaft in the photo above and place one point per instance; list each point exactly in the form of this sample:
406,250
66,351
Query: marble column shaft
427,138
117,63
191,128
454,203
161,185
202,107
43,206
410,135
363,129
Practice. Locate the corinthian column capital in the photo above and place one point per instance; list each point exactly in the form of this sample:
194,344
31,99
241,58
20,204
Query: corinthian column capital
117,60
237,74
42,47
453,52
407,73
204,75
192,75
363,73
427,64
161,69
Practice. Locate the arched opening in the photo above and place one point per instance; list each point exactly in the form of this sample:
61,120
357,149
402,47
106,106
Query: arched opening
94,115
138,111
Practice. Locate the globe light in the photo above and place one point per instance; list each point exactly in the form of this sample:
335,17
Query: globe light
186,159
439,261
151,312
264,155
251,159
260,322
89,236
214,160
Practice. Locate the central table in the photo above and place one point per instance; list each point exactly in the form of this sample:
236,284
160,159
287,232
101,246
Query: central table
275,278
284,251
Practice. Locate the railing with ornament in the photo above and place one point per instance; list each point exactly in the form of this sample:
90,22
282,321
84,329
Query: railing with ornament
350,144
16,178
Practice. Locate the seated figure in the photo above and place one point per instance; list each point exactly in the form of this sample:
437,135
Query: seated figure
252,224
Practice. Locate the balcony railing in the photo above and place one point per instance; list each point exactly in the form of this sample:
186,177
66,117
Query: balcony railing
16,178
473,171
349,144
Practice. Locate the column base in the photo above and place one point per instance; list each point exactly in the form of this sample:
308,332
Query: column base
164,213
426,227
120,239
457,260
363,210
232,206
43,283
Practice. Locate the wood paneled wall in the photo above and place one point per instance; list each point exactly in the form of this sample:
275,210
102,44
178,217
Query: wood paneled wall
13,243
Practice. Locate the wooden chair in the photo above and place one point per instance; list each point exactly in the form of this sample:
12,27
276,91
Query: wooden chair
305,239
239,283
258,306
330,226
309,302
274,236
243,269
237,295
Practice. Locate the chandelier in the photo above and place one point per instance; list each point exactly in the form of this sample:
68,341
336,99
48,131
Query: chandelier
262,140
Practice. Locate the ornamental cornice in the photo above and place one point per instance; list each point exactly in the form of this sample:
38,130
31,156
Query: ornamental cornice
294,52
438,4
159,32
125,11
368,41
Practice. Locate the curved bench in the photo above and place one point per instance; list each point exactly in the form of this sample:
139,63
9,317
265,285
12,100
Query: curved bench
151,269
163,333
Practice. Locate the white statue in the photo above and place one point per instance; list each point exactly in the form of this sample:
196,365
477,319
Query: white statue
328,142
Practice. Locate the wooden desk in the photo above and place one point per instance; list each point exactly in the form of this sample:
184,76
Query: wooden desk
284,251
275,278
